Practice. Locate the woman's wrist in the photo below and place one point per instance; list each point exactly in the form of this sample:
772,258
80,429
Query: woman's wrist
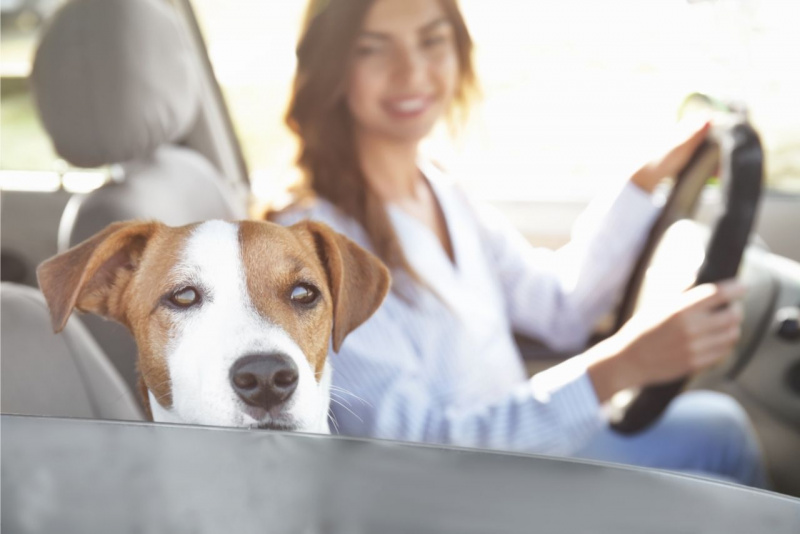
612,369
651,174
646,179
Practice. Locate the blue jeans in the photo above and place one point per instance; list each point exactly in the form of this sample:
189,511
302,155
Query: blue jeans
702,432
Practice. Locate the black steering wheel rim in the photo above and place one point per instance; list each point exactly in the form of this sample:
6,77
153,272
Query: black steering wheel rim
736,151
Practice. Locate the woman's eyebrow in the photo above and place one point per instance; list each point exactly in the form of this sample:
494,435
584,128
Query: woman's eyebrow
374,35
428,27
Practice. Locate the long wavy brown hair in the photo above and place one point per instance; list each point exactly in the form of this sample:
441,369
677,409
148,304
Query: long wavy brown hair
319,116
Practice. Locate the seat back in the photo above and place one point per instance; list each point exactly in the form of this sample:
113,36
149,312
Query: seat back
63,374
120,83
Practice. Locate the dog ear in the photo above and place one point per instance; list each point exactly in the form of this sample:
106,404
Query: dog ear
358,280
89,275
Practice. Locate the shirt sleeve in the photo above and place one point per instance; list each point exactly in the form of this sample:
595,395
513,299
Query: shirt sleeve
559,296
383,389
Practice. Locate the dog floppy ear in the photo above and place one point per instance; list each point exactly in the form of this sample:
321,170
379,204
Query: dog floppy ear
358,280
93,273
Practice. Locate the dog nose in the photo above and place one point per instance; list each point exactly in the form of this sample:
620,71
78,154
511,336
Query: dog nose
264,380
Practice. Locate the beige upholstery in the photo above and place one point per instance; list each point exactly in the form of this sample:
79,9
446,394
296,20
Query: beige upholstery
114,79
173,184
117,83
63,374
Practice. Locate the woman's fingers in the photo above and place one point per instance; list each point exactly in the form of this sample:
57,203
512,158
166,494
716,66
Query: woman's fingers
721,340
718,319
677,158
716,323
709,358
701,330
713,296
717,347
670,164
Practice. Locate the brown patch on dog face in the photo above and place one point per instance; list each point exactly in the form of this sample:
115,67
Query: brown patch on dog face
120,273
275,262
93,272
150,321
358,280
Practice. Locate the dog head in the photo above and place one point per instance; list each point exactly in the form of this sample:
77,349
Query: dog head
233,321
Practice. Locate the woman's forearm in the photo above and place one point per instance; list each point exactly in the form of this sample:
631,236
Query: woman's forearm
611,370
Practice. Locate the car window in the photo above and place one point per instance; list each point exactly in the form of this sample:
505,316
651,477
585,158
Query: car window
28,161
578,92
252,52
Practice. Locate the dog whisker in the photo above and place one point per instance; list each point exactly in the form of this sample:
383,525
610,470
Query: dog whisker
332,419
146,375
158,385
334,395
346,392
348,409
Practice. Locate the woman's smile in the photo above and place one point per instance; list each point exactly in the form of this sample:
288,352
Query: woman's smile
408,107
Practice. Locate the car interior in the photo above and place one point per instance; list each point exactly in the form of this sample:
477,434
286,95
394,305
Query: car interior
187,164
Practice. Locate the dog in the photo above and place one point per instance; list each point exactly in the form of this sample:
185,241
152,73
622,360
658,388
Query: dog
233,321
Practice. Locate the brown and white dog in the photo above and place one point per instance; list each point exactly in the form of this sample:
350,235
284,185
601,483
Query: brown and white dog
233,321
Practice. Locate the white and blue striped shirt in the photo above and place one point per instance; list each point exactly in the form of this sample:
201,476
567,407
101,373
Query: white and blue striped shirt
447,370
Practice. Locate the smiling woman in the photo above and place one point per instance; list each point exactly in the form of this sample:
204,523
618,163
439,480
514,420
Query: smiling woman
437,362
357,88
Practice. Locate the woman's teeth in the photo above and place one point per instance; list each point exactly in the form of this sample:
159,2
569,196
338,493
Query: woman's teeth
408,106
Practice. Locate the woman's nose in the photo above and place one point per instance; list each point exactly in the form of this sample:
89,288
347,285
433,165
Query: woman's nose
410,67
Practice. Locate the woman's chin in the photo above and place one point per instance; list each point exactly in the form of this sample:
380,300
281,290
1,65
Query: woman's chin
409,132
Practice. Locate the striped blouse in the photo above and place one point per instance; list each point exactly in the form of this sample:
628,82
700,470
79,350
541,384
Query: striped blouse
445,369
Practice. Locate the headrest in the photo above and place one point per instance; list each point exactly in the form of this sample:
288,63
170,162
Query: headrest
114,79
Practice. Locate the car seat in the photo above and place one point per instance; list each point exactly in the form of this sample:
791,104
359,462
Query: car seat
120,83
64,374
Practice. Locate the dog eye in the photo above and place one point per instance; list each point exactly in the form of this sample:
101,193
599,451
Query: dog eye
183,298
304,294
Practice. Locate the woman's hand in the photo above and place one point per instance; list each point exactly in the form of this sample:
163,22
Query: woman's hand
669,165
653,347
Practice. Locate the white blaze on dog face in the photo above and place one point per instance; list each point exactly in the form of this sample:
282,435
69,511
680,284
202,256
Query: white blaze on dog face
242,277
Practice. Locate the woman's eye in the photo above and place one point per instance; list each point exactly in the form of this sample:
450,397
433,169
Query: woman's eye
183,298
304,294
431,42
366,51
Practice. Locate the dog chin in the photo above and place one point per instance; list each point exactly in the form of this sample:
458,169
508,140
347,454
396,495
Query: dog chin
271,421
290,425
249,419
276,425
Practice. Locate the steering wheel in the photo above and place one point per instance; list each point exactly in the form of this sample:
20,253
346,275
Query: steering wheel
736,151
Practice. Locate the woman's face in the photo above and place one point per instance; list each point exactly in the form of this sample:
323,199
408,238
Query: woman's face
404,70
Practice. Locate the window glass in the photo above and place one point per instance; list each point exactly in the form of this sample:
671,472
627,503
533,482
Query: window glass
25,144
577,92
27,160
251,49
